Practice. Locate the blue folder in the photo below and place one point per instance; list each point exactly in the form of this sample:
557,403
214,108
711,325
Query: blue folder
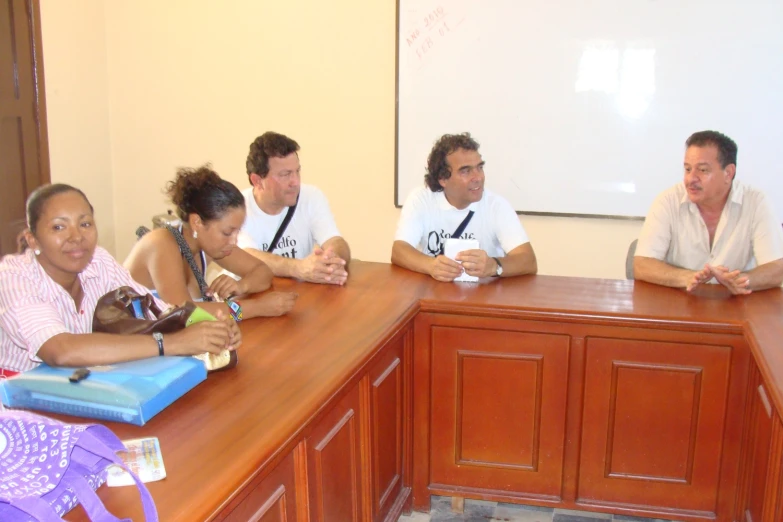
131,392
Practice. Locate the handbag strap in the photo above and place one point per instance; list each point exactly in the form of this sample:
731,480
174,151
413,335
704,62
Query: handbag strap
74,478
37,508
286,220
459,231
184,249
101,442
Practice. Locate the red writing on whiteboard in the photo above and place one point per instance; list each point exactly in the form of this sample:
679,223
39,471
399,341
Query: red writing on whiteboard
433,16
428,43
430,21
424,48
411,39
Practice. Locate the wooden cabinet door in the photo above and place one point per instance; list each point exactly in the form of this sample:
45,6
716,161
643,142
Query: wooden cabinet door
756,445
498,407
760,497
387,427
334,463
773,499
273,499
655,414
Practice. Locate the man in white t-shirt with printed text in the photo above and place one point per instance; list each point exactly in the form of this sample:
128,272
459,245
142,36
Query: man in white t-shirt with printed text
431,214
711,227
293,216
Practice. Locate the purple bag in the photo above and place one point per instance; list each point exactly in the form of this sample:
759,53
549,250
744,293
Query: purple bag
48,467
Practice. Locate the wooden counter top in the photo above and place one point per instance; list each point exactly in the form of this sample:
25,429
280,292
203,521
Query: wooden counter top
218,436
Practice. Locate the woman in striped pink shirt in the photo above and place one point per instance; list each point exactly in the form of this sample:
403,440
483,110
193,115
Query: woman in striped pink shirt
49,291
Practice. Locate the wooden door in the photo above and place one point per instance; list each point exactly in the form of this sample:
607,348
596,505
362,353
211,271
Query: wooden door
387,415
494,402
334,464
756,446
24,150
271,500
657,414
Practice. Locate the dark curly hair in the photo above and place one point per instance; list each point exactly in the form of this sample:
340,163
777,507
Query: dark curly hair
727,149
36,202
437,168
201,191
268,145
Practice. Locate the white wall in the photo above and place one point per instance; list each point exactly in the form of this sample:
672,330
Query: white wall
195,81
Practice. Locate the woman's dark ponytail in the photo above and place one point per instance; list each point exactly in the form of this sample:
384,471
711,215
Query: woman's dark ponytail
202,192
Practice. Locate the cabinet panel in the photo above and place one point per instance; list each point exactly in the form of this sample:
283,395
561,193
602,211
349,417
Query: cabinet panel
756,455
386,428
654,418
273,500
334,463
498,409
773,507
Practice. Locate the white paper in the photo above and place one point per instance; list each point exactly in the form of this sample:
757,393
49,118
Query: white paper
455,246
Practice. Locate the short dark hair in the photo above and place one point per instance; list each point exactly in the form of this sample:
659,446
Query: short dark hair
437,167
727,149
202,192
36,202
268,145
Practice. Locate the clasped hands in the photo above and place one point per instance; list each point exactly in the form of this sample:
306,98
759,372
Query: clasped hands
474,262
737,282
322,266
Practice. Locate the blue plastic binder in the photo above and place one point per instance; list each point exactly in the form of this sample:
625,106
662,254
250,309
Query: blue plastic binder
131,392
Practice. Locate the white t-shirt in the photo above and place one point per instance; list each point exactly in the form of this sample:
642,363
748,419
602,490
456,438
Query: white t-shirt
312,223
428,219
748,234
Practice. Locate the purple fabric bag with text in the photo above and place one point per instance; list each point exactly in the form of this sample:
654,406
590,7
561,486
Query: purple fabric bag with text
47,467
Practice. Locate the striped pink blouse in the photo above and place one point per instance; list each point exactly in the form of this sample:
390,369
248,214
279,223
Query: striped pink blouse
33,308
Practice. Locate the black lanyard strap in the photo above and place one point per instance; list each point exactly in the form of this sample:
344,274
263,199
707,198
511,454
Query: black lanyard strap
283,226
460,229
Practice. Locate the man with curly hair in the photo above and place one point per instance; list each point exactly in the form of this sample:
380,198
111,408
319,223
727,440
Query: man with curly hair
711,228
310,247
431,214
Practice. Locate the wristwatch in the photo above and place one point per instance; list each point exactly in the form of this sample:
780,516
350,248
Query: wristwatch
499,270
159,338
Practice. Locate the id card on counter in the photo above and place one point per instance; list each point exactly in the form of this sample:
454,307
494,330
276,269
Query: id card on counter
455,246
143,457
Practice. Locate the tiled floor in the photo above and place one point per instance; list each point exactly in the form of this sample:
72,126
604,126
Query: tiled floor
484,511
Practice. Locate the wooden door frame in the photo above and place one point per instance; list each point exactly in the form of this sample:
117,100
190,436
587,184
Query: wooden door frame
34,15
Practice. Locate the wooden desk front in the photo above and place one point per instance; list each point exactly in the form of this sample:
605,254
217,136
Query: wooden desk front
567,392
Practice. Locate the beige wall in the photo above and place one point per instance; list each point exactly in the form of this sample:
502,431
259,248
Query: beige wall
77,103
197,80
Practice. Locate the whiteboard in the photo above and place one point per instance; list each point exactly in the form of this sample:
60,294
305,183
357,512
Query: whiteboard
583,107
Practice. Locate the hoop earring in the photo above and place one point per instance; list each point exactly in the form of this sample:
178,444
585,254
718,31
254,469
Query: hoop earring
37,252
195,235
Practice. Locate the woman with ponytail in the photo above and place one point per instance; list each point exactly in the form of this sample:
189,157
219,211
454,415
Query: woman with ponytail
174,260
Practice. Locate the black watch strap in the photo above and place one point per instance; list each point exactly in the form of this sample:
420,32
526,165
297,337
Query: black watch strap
159,338
500,266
